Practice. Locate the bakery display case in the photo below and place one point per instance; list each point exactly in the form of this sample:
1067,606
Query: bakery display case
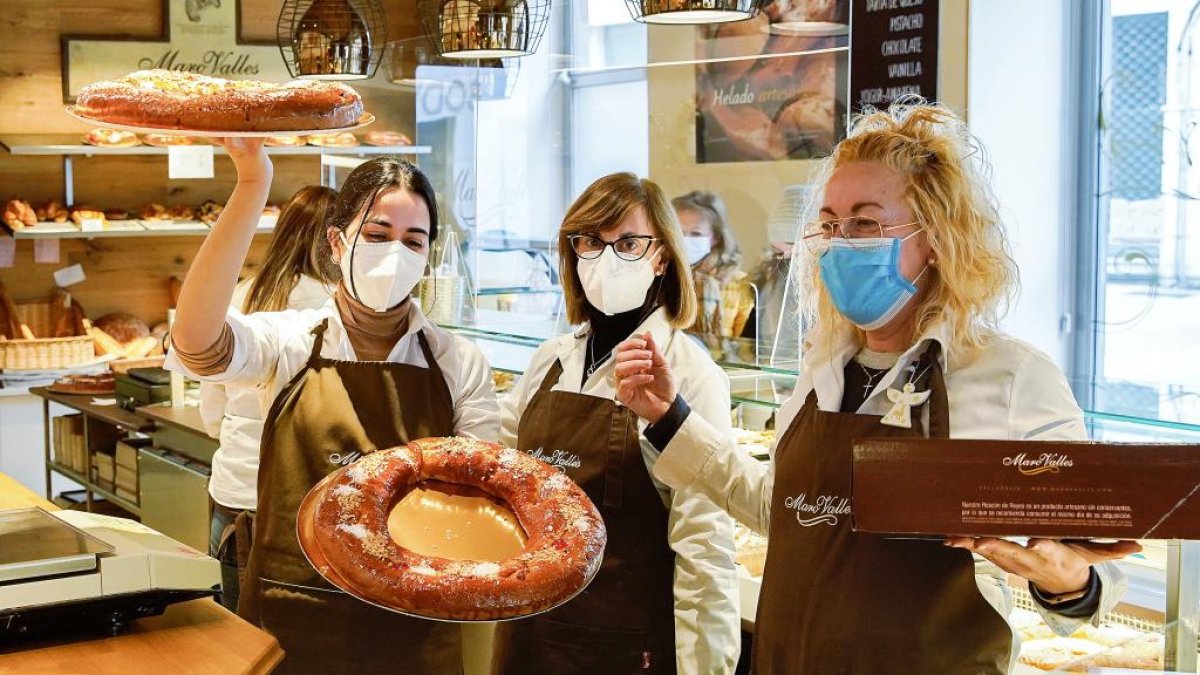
55,221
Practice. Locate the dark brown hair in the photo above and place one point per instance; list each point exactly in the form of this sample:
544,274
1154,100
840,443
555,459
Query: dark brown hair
372,177
603,205
298,247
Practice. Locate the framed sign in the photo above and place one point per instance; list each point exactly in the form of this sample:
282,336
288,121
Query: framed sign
199,36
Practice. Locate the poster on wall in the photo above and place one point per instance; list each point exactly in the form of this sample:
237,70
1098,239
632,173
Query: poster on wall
773,87
199,36
895,46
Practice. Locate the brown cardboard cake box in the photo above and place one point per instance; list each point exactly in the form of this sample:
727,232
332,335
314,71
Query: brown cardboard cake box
1026,488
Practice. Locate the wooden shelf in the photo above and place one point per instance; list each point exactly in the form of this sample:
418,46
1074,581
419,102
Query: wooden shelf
96,489
69,145
126,228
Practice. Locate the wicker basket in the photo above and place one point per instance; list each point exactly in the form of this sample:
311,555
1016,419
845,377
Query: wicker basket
44,353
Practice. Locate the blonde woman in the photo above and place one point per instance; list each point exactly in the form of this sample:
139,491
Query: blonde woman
296,273
911,271
724,294
665,598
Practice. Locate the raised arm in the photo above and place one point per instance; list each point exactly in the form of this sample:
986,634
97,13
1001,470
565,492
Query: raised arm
208,288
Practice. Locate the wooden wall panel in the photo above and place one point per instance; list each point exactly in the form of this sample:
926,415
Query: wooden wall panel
131,274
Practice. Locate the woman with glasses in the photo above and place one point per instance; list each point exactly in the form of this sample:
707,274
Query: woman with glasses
664,600
910,268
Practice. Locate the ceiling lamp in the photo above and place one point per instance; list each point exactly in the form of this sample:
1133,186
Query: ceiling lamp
332,39
484,29
679,12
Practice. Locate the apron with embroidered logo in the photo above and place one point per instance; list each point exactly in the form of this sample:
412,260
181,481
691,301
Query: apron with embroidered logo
330,414
835,601
625,621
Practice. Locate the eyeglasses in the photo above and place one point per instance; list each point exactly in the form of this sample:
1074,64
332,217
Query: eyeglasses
816,235
631,248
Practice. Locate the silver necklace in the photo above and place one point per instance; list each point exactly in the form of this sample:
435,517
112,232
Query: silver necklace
870,379
592,357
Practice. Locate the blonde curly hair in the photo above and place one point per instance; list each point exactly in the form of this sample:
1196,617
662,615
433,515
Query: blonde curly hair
949,193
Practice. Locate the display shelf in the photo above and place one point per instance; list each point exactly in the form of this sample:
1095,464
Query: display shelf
58,145
518,290
125,228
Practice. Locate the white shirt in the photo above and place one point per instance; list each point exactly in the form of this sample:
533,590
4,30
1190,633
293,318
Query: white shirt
1010,390
707,620
269,348
234,415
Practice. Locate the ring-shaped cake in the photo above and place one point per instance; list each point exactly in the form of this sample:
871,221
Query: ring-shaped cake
564,544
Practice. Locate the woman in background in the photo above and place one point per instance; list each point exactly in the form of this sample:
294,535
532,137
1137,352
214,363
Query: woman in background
296,273
725,295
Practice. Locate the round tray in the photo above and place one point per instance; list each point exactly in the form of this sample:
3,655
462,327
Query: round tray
366,119
305,519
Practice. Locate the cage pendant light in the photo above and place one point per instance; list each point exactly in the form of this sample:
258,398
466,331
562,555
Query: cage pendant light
484,29
332,39
693,12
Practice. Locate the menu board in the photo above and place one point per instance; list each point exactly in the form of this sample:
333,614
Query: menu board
894,51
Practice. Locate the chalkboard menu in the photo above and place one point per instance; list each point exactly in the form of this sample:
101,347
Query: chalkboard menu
894,51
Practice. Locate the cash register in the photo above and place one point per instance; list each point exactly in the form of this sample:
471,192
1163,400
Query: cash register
73,571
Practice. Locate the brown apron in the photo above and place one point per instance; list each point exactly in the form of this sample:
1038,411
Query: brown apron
625,621
835,601
330,414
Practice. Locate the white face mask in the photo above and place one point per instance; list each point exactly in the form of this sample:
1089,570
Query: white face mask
695,247
383,274
613,285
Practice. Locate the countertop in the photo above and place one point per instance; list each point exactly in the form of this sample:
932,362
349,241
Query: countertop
199,636
186,418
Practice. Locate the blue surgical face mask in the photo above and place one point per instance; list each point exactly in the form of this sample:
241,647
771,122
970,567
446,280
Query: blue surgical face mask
864,280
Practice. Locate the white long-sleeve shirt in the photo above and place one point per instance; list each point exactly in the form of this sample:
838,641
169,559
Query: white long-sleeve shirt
234,415
707,620
1008,391
269,348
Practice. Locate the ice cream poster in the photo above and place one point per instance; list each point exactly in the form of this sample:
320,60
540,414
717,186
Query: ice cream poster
773,87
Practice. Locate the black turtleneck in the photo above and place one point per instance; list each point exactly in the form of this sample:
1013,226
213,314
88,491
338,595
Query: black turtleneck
606,332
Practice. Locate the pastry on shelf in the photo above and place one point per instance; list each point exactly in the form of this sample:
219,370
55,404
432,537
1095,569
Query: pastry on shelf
18,214
343,139
165,140
97,385
116,214
79,214
502,381
53,210
386,138
181,212
111,138
122,327
153,212
209,211
285,141
271,211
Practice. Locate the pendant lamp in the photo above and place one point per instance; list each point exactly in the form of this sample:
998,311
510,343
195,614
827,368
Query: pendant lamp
484,29
332,39
693,12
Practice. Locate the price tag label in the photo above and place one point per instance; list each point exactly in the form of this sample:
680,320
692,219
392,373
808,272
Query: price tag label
8,251
91,225
45,251
190,161
69,275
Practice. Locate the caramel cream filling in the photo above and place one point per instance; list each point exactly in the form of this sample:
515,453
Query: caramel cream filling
455,522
